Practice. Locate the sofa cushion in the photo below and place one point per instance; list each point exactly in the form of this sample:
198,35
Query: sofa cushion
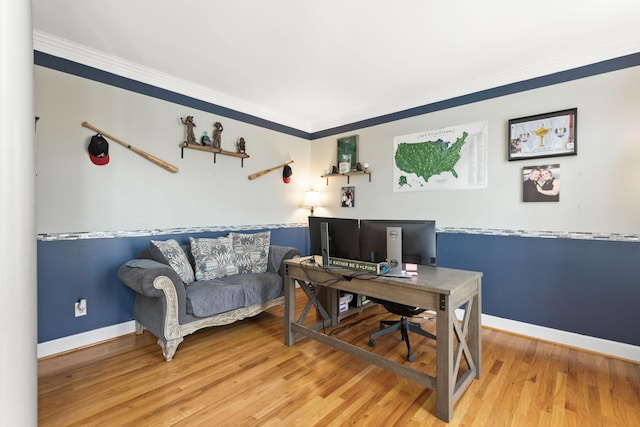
257,287
170,252
252,251
209,297
214,258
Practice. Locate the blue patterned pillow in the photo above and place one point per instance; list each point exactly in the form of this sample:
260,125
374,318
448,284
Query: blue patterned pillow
252,251
170,252
214,258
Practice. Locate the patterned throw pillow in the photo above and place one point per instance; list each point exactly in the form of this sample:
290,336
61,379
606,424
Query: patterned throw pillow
252,251
170,252
214,258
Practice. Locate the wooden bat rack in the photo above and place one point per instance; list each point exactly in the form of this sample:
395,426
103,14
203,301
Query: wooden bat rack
215,152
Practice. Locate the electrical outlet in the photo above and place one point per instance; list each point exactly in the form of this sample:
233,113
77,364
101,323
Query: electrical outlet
81,307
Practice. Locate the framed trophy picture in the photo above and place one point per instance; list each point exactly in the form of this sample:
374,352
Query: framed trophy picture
544,135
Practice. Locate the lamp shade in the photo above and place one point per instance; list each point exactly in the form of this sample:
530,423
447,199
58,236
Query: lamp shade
311,200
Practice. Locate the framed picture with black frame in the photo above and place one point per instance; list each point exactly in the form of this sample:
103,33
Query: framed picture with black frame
544,135
348,198
347,153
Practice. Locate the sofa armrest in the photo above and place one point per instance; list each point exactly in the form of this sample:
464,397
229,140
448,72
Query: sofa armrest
139,274
277,254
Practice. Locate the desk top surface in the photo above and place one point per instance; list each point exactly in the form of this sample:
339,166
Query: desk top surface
434,279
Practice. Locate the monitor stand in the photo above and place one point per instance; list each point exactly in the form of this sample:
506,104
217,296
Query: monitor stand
394,253
324,243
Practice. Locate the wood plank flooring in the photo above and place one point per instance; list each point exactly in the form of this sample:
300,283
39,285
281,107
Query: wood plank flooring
243,375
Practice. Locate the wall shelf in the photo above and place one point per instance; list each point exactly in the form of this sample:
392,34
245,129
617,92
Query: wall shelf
348,175
215,152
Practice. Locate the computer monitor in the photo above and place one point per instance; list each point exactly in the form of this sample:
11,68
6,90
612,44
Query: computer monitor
418,240
343,234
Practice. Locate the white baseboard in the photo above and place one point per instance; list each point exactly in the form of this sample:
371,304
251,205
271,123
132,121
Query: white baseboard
597,345
84,339
569,339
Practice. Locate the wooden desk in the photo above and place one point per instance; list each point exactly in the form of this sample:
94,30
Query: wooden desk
434,288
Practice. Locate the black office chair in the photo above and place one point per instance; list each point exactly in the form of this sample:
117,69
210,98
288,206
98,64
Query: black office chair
389,326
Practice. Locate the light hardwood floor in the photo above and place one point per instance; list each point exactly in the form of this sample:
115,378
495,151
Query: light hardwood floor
243,375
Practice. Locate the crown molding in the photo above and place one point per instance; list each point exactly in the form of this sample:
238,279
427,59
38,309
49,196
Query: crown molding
578,58
84,55
62,48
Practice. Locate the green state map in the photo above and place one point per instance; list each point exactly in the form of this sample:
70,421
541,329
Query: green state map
429,158
448,158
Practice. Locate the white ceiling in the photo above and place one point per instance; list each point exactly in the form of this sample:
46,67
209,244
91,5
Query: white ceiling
314,65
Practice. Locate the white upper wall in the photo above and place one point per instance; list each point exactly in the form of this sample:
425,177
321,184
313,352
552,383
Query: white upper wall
131,193
599,185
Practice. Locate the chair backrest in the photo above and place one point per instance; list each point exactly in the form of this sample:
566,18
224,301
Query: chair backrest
399,309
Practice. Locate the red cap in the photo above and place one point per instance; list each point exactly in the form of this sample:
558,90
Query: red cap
286,174
99,150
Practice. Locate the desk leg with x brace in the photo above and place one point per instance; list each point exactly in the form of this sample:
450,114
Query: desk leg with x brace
311,291
466,338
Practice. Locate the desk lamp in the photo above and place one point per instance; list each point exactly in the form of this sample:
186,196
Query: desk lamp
311,200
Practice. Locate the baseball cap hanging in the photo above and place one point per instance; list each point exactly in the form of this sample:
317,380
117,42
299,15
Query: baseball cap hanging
286,174
99,150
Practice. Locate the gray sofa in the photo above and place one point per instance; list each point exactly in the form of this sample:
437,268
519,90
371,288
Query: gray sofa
171,309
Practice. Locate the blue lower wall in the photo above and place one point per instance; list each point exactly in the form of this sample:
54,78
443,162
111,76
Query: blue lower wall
87,268
589,287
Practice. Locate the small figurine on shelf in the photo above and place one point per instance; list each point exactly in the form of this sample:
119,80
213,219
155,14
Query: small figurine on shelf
191,137
206,141
217,135
241,146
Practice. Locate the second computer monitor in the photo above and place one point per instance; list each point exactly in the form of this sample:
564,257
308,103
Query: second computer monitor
418,240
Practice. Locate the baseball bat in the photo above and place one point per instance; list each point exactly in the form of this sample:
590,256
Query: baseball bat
144,154
266,171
